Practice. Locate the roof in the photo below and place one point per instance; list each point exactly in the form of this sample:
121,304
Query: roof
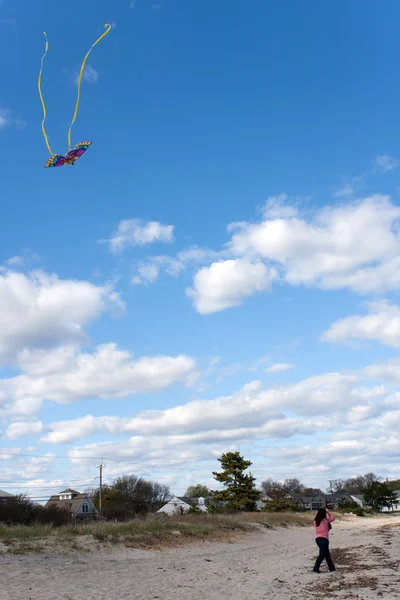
306,499
68,491
190,501
69,505
4,494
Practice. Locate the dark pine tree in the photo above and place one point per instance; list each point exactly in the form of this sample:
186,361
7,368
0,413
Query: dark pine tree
240,492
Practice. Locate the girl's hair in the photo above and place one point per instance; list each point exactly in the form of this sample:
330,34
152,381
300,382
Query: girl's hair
320,516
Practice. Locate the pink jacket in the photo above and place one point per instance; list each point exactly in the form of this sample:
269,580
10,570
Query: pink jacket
322,530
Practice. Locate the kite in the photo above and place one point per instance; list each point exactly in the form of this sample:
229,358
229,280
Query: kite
59,160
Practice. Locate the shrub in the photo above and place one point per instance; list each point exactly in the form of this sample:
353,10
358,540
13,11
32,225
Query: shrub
358,511
52,516
17,510
281,505
194,510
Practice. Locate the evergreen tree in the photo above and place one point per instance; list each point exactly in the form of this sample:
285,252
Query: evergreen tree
240,492
378,494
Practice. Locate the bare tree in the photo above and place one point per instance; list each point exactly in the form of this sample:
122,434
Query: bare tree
270,486
197,491
293,486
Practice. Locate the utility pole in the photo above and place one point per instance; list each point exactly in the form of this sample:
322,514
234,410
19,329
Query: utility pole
101,492
330,487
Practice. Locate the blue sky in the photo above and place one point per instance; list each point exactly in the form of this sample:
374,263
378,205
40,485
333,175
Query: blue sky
224,255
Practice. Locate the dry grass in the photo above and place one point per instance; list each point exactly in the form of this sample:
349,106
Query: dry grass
155,531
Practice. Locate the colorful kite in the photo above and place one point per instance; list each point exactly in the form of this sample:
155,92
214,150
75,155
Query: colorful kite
58,160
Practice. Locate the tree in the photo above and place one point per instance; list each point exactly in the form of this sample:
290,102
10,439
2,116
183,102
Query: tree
278,504
312,492
269,486
197,491
394,485
130,495
378,494
20,510
17,510
293,486
354,485
160,495
240,492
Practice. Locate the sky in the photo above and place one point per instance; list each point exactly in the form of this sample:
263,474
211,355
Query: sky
221,270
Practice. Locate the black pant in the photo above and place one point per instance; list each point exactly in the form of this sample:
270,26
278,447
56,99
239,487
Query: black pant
324,553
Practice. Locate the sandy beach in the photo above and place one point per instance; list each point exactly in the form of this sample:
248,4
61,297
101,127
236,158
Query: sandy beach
274,565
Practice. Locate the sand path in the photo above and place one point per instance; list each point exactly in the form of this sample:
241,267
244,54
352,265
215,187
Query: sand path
275,565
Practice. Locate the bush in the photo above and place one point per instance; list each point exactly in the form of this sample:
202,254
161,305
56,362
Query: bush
52,516
19,510
358,511
281,505
194,510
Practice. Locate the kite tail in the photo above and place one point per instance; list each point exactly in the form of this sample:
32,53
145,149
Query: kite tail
108,28
41,96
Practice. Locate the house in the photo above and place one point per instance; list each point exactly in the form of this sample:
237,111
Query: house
78,505
261,503
4,495
358,499
395,506
307,502
182,504
337,499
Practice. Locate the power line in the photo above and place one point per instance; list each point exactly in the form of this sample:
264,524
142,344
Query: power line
47,487
52,481
51,456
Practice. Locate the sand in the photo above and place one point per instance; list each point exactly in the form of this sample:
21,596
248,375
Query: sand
273,565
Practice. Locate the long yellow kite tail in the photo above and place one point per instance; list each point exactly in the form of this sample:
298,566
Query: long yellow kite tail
108,29
41,96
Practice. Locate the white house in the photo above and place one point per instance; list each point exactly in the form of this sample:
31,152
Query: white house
4,495
359,500
396,505
182,504
76,503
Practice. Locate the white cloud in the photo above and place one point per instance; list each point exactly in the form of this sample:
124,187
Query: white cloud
386,163
136,232
90,74
382,324
8,120
354,246
388,371
277,207
20,429
346,191
147,273
352,419
15,261
249,413
39,310
150,269
280,367
67,376
9,21
227,283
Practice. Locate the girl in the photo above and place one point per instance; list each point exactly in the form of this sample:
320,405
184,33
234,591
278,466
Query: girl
322,524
